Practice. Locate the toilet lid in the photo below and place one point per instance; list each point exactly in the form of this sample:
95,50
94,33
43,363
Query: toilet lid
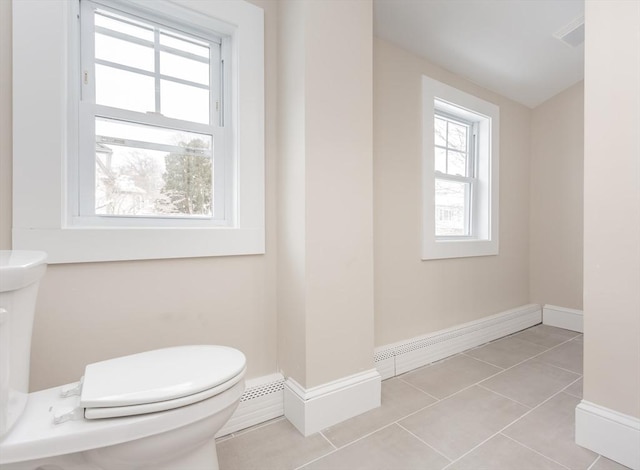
159,376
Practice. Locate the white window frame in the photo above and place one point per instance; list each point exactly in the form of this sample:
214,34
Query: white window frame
82,207
483,202
45,122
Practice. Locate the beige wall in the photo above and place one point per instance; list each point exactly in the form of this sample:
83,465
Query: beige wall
414,297
5,125
292,338
557,152
326,246
612,206
90,312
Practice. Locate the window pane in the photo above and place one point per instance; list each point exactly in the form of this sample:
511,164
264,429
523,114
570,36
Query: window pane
192,46
441,160
126,90
128,26
186,69
440,127
457,163
184,102
143,182
114,129
457,136
124,52
450,214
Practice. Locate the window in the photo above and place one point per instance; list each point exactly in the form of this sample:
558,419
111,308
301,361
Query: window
460,173
152,135
149,120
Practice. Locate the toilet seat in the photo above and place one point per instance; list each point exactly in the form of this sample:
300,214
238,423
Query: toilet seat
159,380
35,436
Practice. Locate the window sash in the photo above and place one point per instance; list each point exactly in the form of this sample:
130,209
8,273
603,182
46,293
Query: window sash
471,170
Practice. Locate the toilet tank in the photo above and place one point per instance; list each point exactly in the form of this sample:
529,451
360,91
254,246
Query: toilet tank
20,273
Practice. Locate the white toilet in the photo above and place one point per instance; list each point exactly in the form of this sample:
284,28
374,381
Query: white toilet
155,410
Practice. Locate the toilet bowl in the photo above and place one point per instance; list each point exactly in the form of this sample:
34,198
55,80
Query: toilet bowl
153,410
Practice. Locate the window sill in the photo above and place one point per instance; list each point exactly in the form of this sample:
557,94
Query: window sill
463,248
83,245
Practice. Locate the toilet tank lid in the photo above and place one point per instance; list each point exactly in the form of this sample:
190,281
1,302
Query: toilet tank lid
159,375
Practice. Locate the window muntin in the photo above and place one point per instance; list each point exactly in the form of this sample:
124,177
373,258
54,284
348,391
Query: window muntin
152,146
455,179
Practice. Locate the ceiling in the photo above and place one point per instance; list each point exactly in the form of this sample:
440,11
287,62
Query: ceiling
507,46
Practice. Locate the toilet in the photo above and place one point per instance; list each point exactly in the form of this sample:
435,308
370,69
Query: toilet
155,410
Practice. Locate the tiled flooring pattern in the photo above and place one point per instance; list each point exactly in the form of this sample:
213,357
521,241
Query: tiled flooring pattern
507,405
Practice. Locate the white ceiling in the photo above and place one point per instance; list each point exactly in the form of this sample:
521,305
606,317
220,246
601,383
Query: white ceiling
506,46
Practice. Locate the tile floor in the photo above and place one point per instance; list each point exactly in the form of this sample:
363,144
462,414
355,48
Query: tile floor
505,405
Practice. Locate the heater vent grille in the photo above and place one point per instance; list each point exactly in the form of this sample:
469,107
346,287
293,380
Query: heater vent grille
262,390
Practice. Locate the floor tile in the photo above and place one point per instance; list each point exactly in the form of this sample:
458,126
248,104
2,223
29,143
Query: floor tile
575,389
567,356
389,448
457,424
449,376
604,463
531,382
506,352
547,336
579,338
398,400
550,430
278,446
500,452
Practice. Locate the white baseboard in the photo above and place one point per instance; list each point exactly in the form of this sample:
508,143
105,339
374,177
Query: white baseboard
567,318
262,400
397,358
609,433
311,410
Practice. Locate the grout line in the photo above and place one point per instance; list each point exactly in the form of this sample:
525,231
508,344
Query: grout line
316,459
533,450
328,440
594,462
424,442
562,368
480,360
569,393
503,396
529,341
419,389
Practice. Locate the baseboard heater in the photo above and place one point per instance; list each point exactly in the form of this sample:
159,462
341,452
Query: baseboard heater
398,358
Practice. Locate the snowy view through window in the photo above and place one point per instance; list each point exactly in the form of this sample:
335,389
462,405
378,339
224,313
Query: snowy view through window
154,152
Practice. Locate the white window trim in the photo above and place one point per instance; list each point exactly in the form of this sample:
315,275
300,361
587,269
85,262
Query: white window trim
44,34
484,242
